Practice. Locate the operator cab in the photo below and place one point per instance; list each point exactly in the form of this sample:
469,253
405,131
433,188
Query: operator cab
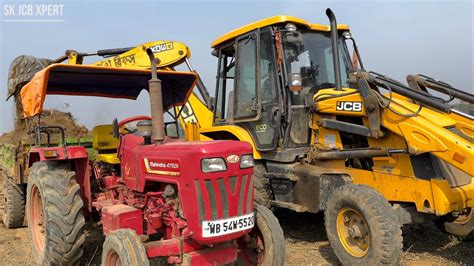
268,72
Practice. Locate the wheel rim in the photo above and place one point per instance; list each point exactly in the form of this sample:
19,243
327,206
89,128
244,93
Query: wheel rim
113,259
353,232
465,217
252,248
36,216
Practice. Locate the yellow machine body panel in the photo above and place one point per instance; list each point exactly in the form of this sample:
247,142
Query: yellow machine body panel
273,21
429,196
240,133
393,176
425,132
196,112
168,53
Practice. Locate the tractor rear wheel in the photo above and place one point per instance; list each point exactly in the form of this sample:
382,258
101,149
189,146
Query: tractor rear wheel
461,226
124,247
55,214
14,204
361,227
262,188
265,244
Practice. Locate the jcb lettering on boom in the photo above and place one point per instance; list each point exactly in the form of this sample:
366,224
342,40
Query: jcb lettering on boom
188,114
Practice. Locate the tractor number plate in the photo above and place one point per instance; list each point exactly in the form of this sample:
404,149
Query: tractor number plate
227,226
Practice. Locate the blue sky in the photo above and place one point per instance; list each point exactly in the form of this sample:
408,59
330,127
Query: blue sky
395,38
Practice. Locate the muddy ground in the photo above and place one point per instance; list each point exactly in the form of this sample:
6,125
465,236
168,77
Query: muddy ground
305,239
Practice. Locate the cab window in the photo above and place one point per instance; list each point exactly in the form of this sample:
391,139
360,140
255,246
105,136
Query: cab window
245,99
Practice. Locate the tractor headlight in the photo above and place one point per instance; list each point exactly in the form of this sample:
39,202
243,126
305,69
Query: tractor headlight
246,161
211,165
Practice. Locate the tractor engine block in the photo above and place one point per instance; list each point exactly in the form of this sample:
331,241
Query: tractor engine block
160,212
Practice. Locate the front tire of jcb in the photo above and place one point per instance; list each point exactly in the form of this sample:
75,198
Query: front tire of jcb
14,208
265,244
55,214
262,188
124,247
362,228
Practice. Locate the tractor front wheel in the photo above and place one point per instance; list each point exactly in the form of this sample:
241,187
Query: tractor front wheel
55,215
14,204
124,247
362,228
265,244
461,226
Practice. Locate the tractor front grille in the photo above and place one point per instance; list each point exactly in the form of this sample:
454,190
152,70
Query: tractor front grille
224,197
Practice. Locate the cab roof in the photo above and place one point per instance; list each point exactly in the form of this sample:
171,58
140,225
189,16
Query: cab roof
109,82
272,21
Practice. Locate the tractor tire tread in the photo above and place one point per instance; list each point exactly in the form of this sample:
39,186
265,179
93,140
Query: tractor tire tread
63,213
14,208
127,244
262,187
274,239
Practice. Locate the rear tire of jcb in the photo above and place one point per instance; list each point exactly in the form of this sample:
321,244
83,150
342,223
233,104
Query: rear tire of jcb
461,227
262,188
57,230
384,229
124,246
14,204
267,229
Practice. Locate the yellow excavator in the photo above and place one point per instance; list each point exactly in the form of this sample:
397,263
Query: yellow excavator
327,134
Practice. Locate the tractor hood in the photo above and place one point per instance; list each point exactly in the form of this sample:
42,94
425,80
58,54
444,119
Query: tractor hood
123,83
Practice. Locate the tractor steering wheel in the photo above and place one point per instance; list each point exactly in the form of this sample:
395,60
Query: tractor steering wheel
133,119
122,124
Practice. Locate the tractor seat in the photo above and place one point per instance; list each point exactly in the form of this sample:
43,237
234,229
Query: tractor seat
105,143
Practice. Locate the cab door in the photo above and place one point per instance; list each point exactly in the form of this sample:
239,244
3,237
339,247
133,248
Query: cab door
261,72
248,91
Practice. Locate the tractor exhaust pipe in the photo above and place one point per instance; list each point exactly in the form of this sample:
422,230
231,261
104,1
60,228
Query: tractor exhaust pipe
335,50
156,102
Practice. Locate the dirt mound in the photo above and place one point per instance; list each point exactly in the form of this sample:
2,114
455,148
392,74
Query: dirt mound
49,118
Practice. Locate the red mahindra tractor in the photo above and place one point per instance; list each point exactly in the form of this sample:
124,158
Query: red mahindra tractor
184,202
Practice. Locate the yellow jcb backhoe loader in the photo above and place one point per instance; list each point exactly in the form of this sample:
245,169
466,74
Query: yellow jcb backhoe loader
329,135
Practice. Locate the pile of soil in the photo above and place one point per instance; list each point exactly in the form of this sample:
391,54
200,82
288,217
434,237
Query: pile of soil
49,118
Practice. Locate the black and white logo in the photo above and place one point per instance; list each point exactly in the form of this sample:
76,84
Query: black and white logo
349,106
162,47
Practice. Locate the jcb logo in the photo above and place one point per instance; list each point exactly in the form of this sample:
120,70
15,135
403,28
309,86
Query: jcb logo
349,106
188,114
